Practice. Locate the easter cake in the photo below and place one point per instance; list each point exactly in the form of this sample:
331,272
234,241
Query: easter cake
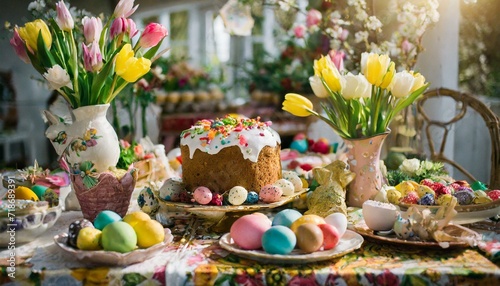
226,152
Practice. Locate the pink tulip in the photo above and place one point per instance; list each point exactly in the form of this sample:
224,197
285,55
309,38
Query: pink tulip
19,47
64,18
132,28
337,58
92,57
299,31
92,28
313,18
125,8
123,25
344,34
152,35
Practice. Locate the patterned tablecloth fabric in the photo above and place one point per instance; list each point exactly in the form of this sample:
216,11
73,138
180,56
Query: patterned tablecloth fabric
195,258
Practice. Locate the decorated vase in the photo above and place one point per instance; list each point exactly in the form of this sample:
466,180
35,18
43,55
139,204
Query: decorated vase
363,157
89,137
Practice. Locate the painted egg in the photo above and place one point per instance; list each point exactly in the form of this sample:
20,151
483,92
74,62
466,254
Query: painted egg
379,215
172,189
393,196
287,186
427,200
294,178
237,195
52,197
252,198
74,230
339,221
299,145
444,200
286,217
247,231
331,236
202,195
308,218
278,240
148,202
464,196
309,237
270,194
39,190
402,228
104,218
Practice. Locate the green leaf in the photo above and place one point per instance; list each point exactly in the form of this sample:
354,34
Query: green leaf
43,52
152,51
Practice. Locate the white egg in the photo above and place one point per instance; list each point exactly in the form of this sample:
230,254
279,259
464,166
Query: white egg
339,221
237,195
379,215
294,178
287,186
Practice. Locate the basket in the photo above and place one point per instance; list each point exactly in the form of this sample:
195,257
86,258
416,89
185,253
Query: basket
110,193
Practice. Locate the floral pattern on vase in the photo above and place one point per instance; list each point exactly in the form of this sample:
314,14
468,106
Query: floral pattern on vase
90,137
363,157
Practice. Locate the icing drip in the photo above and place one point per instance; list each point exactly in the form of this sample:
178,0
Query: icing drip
211,136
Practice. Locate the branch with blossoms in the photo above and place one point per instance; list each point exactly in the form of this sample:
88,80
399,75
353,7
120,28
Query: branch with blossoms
92,63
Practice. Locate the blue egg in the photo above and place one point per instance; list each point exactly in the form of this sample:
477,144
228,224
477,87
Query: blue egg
286,217
252,198
104,218
279,240
300,145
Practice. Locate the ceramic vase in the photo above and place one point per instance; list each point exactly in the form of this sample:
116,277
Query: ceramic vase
90,137
363,157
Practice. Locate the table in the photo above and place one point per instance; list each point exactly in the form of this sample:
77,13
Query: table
195,258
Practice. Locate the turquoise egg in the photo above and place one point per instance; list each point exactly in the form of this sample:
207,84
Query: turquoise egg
300,145
104,218
279,240
286,217
39,190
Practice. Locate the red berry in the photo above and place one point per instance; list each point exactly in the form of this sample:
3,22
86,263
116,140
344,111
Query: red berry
494,195
306,167
427,182
455,186
216,200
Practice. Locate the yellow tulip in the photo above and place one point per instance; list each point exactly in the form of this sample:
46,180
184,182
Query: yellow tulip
29,33
325,68
297,105
388,76
129,67
418,82
375,67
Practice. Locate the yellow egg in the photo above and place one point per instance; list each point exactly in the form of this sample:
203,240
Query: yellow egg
405,187
149,233
393,196
25,193
89,239
134,217
423,190
309,218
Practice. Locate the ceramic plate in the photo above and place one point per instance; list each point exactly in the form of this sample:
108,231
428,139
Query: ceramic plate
102,257
348,243
466,213
216,212
391,237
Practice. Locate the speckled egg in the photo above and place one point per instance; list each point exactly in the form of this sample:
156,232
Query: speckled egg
148,202
252,198
402,228
270,193
294,178
237,195
172,189
278,240
339,221
309,237
286,217
286,185
247,231
202,195
52,197
444,199
464,196
427,200
74,230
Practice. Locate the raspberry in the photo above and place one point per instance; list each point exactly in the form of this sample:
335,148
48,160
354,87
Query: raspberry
216,200
455,186
410,198
443,190
494,195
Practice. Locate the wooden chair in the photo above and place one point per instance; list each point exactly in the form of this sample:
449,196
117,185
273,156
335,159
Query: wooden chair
463,102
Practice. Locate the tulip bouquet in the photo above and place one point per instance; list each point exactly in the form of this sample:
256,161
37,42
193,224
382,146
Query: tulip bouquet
360,105
89,64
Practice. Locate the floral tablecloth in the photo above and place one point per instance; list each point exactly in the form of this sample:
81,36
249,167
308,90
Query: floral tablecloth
195,258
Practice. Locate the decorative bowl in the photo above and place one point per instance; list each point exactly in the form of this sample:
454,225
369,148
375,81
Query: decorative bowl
23,226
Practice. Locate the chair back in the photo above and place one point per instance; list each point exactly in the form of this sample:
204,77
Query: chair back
464,101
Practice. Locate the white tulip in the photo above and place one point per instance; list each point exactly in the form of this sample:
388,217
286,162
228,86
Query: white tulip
356,86
401,84
57,77
318,87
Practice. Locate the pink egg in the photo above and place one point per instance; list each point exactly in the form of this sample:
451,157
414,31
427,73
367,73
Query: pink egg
270,193
202,195
247,231
331,236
